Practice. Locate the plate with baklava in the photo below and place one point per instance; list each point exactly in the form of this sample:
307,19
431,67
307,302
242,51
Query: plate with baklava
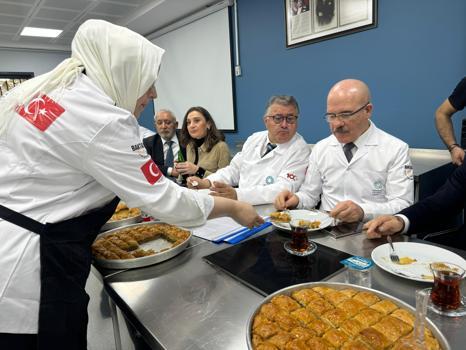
139,245
325,315
312,219
415,259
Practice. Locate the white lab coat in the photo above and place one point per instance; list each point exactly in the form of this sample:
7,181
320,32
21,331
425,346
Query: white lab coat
260,179
87,155
379,178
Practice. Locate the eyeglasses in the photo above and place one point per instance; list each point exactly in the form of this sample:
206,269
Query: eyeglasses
330,117
278,118
167,122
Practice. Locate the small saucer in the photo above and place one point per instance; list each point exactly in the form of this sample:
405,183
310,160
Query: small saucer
460,311
311,249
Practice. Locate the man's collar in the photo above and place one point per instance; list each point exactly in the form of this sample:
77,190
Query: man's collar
279,144
365,139
174,139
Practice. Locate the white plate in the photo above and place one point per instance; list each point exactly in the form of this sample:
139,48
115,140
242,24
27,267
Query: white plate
301,214
423,253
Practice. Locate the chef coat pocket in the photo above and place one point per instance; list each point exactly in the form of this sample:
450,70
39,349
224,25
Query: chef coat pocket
376,185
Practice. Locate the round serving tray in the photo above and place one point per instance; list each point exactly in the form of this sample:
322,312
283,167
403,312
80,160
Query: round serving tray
146,260
110,225
339,286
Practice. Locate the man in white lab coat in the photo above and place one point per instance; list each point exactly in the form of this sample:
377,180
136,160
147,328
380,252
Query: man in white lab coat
359,171
271,161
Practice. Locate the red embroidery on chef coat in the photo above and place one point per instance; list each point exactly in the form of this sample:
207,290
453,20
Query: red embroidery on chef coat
41,112
151,172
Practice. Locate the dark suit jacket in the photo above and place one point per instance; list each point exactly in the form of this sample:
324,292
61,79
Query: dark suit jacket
448,201
154,147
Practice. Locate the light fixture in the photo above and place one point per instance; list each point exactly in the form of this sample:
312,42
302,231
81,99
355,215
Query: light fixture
42,32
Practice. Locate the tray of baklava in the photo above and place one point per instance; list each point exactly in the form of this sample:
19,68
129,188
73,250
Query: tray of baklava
325,315
139,245
123,216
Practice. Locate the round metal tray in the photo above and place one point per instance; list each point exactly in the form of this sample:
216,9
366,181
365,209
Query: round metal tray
146,260
338,286
110,225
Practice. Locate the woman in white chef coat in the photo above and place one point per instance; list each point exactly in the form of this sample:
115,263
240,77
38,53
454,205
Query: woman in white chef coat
69,142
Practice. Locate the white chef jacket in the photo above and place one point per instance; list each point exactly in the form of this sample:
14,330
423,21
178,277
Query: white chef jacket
91,152
379,177
260,179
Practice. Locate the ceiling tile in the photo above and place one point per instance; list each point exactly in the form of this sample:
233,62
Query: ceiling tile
16,2
126,2
56,14
14,9
12,20
142,16
9,29
77,5
47,23
113,9
111,19
4,36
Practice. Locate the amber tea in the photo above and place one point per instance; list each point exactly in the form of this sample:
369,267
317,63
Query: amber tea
446,292
299,239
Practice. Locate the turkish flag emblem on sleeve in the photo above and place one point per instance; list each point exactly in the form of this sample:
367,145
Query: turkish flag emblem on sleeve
41,112
151,171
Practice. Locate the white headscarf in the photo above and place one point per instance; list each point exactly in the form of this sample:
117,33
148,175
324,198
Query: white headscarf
121,62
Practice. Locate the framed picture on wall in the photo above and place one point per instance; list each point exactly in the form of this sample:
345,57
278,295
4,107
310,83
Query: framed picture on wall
309,21
8,80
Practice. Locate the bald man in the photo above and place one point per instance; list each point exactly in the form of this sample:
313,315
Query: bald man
359,172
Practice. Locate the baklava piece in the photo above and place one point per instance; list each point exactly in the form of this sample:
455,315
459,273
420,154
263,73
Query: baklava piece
304,296
280,216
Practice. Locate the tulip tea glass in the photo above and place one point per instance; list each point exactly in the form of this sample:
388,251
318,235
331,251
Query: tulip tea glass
300,243
445,295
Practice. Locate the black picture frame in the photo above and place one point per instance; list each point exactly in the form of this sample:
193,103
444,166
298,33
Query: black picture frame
310,21
8,80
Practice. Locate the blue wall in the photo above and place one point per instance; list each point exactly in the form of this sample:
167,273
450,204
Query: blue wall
411,61
146,118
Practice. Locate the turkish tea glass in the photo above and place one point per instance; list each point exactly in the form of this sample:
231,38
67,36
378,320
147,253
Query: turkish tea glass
445,295
300,244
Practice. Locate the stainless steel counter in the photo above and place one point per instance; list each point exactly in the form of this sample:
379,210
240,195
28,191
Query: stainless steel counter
185,303
425,160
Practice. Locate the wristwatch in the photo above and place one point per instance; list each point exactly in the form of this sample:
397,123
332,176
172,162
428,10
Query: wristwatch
453,145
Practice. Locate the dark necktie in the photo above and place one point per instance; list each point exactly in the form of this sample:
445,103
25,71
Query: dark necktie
347,148
169,158
270,147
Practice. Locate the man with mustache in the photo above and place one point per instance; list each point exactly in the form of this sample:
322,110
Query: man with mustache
359,172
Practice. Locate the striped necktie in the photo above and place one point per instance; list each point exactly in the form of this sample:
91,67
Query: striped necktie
270,147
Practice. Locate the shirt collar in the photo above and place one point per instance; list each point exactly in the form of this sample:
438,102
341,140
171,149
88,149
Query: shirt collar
363,140
174,139
279,145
